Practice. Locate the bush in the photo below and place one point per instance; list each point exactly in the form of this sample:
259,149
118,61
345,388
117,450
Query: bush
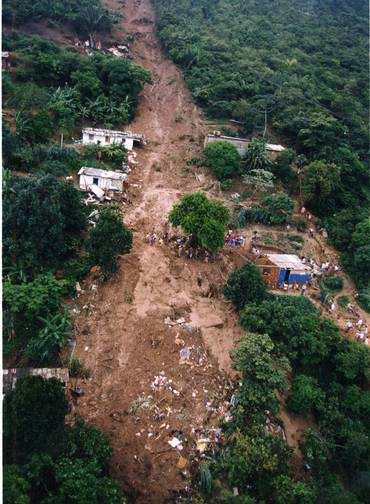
333,282
245,285
77,369
107,240
280,208
305,395
223,159
301,225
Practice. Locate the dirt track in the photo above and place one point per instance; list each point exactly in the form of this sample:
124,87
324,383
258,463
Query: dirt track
122,336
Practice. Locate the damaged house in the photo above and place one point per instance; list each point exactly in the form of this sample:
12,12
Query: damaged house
101,181
278,269
105,137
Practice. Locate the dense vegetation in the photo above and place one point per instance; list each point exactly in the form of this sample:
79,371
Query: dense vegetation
287,337
86,17
45,236
51,90
297,69
47,460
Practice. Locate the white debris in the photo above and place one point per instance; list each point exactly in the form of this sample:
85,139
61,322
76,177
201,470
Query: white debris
175,443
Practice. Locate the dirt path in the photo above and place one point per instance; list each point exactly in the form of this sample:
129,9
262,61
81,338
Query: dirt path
121,331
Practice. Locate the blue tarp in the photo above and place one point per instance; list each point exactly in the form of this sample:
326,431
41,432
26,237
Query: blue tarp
300,278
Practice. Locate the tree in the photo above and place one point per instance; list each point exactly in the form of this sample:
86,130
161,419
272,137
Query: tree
88,443
28,305
223,159
43,220
256,156
253,460
109,239
287,491
283,167
320,182
80,481
280,208
15,486
305,395
245,285
307,339
263,373
205,220
34,418
260,180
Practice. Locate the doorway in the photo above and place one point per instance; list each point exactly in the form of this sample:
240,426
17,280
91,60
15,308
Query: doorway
287,275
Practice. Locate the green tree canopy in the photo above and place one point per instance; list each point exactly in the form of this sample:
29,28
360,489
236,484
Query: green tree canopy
223,159
205,220
245,285
256,156
320,182
109,239
43,219
34,418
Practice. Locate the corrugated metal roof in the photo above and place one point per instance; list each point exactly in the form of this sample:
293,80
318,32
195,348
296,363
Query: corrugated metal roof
289,261
97,172
275,147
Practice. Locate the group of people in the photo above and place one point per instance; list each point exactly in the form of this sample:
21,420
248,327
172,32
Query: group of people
359,329
234,240
321,269
295,286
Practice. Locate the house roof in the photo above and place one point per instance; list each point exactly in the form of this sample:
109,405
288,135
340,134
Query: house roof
275,147
10,376
290,261
226,137
97,172
114,133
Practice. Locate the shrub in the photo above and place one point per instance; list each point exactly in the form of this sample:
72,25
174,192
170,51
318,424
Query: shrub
223,159
245,285
107,240
305,395
280,208
77,369
301,225
333,282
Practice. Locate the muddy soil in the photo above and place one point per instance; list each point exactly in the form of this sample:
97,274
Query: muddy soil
121,331
131,330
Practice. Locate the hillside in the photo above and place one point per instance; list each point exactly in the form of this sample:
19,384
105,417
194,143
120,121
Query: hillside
192,378
301,66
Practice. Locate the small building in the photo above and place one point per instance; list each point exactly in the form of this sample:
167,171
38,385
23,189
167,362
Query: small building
242,144
10,376
278,269
98,181
105,137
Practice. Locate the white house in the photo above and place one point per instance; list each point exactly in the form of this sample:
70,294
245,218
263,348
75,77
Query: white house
105,137
98,181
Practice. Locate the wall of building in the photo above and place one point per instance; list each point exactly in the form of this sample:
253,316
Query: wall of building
104,183
105,140
240,145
